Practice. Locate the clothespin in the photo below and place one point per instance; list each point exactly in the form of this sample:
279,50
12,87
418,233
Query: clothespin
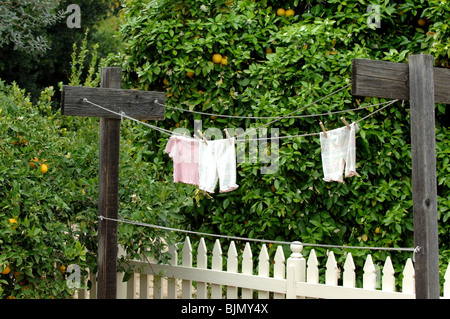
228,136
323,129
203,137
121,116
345,122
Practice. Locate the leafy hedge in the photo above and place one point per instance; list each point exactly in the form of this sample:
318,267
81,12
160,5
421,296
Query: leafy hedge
276,64
49,194
36,237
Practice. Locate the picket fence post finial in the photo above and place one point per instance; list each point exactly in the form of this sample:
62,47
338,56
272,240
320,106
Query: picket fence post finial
296,269
296,249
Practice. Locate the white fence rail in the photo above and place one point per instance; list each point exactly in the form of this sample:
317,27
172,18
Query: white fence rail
295,277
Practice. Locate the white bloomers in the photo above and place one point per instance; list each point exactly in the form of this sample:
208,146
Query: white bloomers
217,161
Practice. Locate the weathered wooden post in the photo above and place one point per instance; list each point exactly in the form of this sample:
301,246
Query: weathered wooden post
423,85
108,189
107,103
424,184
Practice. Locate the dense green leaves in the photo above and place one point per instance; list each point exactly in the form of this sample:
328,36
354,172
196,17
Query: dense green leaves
274,65
45,236
48,220
277,64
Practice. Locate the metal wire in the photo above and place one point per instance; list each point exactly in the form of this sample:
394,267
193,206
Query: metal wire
126,221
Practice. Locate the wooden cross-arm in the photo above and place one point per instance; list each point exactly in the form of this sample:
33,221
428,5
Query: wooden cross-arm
390,80
136,104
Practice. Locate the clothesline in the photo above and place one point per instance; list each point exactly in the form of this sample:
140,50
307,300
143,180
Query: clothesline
126,221
275,119
169,132
123,115
296,111
317,133
270,117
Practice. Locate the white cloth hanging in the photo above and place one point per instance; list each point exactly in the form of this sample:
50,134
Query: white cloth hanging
338,150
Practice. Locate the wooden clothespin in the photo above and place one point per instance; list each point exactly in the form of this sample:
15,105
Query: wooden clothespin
345,122
203,137
323,129
228,136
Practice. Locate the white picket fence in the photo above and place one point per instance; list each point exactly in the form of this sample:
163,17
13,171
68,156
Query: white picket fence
293,278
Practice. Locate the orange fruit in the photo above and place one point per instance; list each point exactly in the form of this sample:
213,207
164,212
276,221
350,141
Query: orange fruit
189,74
13,221
422,22
63,269
224,60
281,12
6,270
290,13
33,162
44,168
217,58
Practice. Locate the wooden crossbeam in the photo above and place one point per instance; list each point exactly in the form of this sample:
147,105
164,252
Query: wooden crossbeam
423,85
390,80
136,104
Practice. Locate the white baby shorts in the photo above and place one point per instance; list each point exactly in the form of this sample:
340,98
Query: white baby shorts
217,162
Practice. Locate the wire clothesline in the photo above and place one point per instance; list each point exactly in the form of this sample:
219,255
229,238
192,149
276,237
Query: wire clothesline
275,119
169,132
265,241
296,111
317,133
271,117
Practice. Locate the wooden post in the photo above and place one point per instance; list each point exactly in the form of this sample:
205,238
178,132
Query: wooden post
424,185
108,202
108,103
424,85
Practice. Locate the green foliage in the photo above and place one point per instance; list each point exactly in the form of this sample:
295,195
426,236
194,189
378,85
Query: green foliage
310,56
55,212
22,24
45,58
79,60
48,235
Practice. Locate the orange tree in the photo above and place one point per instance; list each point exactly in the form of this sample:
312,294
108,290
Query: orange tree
248,57
39,235
49,190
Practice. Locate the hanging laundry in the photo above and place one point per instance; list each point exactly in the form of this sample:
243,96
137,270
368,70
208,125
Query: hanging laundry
338,150
217,161
184,152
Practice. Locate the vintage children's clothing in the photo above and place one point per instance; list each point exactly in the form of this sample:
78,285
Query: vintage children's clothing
184,152
217,161
338,150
